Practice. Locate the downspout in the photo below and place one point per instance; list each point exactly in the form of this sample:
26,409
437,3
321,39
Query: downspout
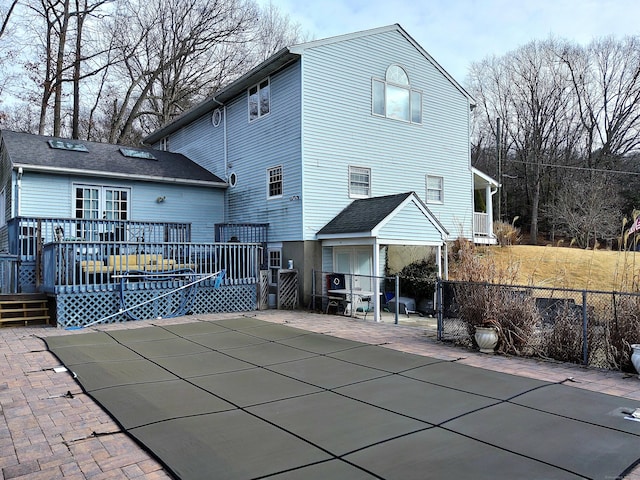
225,154
18,190
492,192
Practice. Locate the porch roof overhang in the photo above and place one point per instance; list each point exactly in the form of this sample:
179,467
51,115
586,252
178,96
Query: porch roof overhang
401,219
481,180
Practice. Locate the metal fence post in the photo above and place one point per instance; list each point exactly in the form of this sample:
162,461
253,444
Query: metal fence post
585,346
397,298
439,307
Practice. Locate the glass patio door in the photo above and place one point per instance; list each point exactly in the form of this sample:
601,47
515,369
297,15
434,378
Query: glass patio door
356,263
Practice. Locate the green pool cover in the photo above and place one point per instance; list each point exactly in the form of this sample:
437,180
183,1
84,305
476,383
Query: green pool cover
248,399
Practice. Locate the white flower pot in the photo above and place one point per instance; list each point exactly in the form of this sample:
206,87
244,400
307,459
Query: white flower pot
487,338
635,357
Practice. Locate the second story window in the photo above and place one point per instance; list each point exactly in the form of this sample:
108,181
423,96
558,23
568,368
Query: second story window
394,97
435,189
359,182
274,182
259,100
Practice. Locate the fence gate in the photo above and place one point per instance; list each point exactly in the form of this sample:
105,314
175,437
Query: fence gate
287,289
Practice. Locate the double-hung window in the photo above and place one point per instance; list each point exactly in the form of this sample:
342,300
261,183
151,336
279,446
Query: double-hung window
259,100
394,98
274,182
435,189
359,182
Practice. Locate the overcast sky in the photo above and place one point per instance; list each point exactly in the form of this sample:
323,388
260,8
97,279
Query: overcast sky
459,32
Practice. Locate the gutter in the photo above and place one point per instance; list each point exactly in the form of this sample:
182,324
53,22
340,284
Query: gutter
123,176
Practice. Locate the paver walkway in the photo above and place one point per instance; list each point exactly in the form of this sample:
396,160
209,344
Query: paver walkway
49,429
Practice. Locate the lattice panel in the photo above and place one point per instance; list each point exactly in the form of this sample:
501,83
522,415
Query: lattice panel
287,289
263,304
232,298
27,277
80,309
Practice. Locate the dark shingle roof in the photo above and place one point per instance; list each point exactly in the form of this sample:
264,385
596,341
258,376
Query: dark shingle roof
103,159
364,214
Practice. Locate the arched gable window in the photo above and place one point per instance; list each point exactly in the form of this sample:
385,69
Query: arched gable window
394,98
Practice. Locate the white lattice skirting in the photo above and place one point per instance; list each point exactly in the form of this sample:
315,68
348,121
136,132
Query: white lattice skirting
80,309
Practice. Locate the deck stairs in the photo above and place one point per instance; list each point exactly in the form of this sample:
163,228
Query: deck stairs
24,309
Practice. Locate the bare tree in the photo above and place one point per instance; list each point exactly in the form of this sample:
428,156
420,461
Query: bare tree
169,50
5,15
606,80
587,209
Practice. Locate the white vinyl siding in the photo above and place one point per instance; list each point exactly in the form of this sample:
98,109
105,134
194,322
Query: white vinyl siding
398,154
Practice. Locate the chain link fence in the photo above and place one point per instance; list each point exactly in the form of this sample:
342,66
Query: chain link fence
593,328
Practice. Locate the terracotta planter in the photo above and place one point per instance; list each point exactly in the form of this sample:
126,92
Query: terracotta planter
635,356
487,338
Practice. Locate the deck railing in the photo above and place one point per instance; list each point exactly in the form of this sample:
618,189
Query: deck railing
71,266
25,233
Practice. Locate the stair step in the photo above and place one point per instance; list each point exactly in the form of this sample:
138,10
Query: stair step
24,309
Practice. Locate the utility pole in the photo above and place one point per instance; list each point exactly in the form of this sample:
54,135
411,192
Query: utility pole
498,142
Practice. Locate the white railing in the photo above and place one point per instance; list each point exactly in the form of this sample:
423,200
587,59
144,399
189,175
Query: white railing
481,224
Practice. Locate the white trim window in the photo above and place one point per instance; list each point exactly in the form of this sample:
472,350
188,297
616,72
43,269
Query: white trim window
275,264
259,100
359,182
394,98
274,182
435,189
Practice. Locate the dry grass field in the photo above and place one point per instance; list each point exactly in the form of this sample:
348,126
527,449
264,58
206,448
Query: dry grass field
562,267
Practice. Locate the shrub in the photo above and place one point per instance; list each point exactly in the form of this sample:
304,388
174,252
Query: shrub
623,331
507,233
418,279
514,313
563,340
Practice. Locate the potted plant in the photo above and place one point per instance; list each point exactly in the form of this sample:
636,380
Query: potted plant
635,356
486,335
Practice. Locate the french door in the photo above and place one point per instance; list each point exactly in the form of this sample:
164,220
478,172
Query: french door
93,202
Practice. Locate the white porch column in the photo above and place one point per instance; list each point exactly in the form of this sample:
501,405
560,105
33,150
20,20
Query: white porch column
489,207
376,283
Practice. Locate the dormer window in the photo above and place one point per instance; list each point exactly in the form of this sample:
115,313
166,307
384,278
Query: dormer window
259,100
394,98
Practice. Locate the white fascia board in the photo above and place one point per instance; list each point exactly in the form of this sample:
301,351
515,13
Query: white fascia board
121,176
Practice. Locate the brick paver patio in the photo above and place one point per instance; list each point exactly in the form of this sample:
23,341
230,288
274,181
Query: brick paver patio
50,430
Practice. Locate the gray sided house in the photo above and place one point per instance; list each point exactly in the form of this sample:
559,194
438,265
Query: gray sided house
321,125
75,216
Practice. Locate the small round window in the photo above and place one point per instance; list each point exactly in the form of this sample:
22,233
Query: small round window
216,117
233,179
